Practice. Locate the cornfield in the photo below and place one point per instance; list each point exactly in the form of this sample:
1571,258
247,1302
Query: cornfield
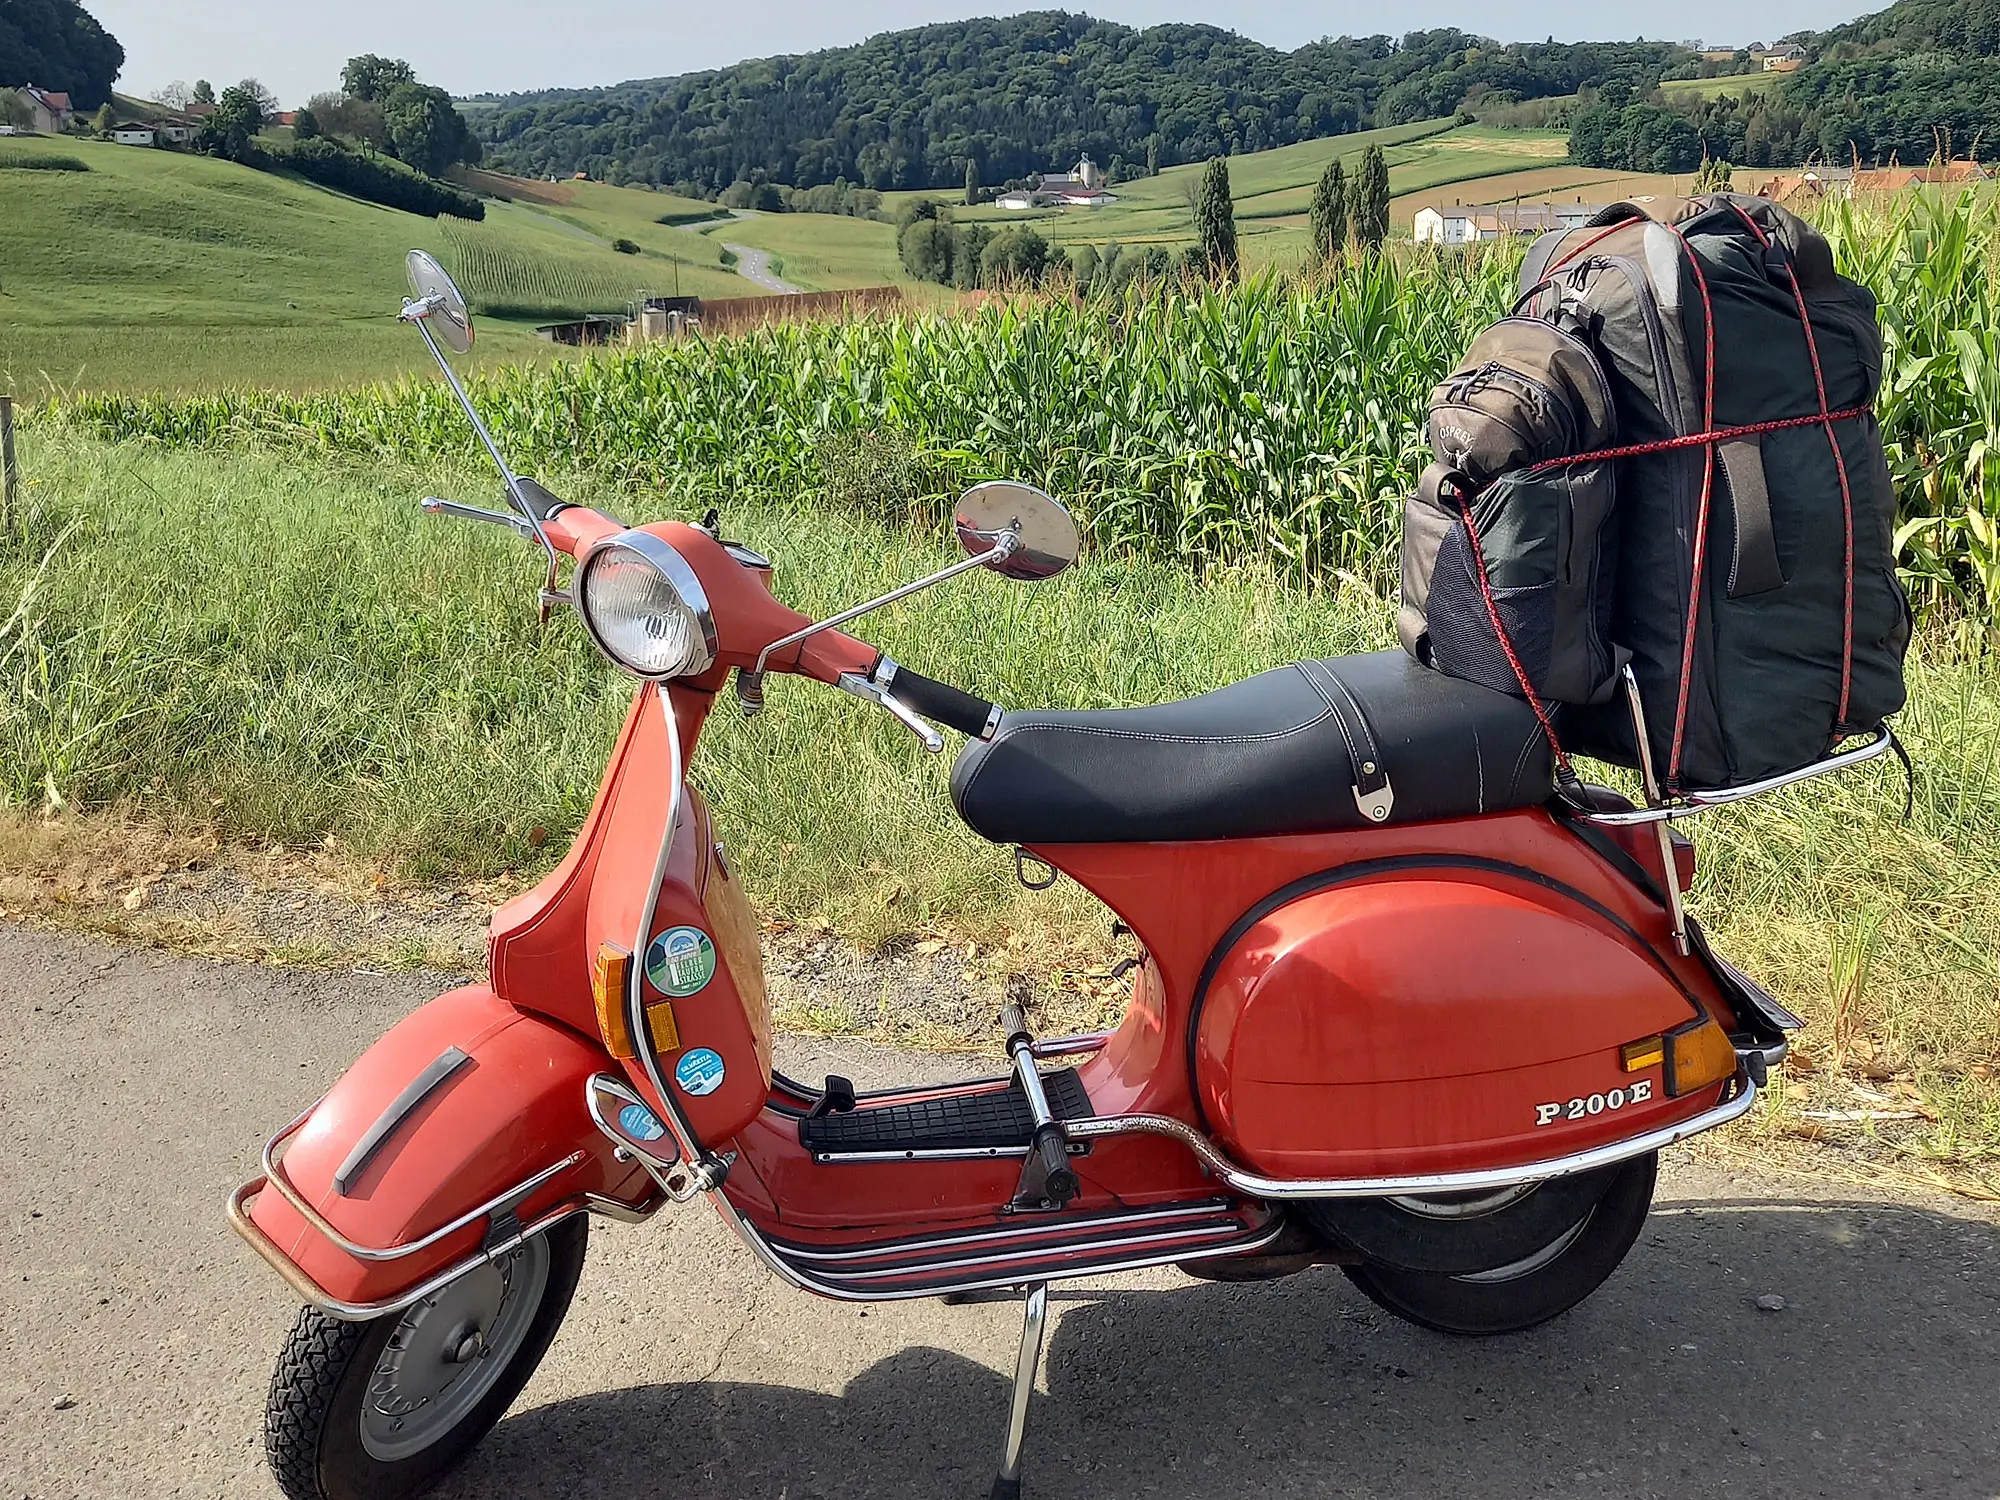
500,279
1273,421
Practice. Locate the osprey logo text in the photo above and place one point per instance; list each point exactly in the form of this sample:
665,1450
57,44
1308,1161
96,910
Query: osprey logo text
1594,1104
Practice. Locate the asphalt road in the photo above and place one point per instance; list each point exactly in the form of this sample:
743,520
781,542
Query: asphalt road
135,1090
755,265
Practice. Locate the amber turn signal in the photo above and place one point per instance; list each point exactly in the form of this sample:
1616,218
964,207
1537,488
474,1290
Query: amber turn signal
608,978
1698,1054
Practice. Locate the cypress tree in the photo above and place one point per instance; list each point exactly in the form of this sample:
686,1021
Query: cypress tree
1215,221
1152,156
1368,200
971,183
1329,212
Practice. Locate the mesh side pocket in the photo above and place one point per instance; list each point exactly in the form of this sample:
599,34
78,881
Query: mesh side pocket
1463,643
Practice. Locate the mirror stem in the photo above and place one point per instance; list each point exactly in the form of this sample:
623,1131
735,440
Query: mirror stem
1005,545
493,450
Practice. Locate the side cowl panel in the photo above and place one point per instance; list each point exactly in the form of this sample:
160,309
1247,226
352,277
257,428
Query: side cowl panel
1402,1024
460,1102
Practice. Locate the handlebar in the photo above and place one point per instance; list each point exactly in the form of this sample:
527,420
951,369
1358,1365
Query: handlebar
941,701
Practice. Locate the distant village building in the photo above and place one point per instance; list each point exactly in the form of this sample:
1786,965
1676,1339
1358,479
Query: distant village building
1082,188
49,110
1809,185
1465,224
134,135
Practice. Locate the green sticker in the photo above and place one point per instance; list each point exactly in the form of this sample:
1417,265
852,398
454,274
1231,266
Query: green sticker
681,961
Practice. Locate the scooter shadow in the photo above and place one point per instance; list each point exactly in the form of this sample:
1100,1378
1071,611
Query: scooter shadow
1876,1378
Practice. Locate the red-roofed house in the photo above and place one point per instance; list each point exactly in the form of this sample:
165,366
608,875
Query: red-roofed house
49,111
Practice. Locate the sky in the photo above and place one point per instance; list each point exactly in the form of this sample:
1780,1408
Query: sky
502,46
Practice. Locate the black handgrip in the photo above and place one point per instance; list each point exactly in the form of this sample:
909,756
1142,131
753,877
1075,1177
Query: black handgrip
1014,1024
541,503
941,701
1058,1181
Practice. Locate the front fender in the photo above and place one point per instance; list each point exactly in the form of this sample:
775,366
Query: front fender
463,1102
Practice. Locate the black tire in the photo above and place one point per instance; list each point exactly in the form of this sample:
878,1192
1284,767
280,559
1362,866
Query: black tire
1495,1302
313,1415
1387,1232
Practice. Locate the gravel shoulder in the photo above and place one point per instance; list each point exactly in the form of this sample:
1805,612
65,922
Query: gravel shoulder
136,1087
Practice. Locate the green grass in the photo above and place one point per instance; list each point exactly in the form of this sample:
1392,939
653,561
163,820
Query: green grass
281,648
1742,85
821,252
161,270
34,159
533,264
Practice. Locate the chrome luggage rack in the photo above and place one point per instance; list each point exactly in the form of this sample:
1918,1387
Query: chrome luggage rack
1661,810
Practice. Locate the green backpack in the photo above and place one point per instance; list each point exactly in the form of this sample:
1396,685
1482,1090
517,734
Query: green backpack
1666,458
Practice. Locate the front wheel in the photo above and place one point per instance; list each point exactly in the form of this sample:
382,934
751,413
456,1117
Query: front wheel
1533,1289
384,1409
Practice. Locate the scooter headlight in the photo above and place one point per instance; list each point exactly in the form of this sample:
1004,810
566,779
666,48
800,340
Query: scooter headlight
645,607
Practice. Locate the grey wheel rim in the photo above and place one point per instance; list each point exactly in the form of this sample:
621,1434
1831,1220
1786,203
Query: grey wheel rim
1529,1264
1465,1205
448,1351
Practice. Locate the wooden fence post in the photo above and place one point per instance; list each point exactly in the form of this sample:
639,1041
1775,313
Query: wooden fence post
10,471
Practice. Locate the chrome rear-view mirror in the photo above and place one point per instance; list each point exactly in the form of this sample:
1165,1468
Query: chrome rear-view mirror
436,302
1047,536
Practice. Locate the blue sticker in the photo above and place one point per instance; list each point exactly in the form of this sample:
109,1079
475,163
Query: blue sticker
639,1122
699,1072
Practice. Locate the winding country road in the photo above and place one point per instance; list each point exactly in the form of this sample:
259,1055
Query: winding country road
755,265
136,1089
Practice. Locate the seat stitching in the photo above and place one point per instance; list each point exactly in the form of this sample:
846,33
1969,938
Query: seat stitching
1367,731
1149,737
1521,761
1353,756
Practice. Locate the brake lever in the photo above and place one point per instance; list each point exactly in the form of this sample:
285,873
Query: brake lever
869,692
432,506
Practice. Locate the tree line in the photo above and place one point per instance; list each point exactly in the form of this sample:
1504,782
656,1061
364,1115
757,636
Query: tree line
1025,94
1347,213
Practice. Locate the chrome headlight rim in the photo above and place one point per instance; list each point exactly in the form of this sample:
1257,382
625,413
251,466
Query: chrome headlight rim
665,559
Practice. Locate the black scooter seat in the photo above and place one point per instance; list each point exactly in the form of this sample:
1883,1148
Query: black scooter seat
1351,742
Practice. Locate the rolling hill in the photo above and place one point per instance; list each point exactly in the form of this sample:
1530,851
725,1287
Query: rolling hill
162,270
1029,93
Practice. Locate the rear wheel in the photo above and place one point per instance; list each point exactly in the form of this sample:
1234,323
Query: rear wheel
384,1409
1542,1284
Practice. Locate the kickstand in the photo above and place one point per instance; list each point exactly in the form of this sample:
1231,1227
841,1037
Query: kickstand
1007,1486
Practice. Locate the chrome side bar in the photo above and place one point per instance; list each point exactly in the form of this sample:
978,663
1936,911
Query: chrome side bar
1071,1046
1701,801
310,1291
1256,1185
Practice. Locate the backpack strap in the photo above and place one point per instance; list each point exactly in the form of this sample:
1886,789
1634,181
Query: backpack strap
1754,567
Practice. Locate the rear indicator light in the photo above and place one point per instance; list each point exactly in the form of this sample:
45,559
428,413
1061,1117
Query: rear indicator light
1697,1055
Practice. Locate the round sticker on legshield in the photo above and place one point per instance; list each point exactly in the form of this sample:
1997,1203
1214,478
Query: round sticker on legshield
699,1072
640,1123
681,961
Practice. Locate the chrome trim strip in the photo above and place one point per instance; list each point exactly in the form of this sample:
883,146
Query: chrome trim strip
963,1153
1212,1208
420,1088
310,1291
512,1198
1701,801
697,1161
1024,1253
1256,1185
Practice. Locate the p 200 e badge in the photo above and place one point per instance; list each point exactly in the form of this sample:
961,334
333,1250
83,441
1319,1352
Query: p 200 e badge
1594,1104
681,961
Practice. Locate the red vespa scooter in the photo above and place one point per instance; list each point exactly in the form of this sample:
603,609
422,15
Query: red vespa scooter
1396,1008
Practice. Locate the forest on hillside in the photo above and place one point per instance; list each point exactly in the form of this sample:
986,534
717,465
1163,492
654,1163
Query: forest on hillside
1024,94
57,44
